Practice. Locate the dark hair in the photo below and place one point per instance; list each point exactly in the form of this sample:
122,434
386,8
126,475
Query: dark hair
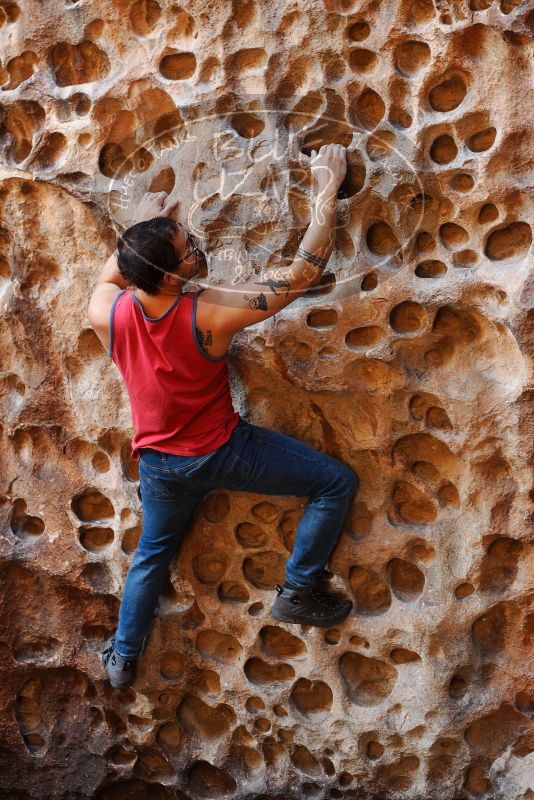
146,251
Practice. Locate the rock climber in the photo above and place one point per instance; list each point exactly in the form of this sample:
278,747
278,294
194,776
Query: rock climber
170,347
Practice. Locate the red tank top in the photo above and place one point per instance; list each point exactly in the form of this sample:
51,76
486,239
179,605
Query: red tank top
179,395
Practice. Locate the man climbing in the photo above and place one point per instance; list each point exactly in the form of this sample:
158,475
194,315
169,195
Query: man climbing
170,347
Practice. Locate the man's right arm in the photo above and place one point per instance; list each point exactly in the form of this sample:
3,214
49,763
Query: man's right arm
237,306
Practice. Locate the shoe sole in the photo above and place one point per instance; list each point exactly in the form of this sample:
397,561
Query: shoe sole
316,621
120,685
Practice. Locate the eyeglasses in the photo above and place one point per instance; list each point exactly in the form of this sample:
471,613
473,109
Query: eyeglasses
191,240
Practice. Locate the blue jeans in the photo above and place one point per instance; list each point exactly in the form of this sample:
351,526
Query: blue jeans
254,459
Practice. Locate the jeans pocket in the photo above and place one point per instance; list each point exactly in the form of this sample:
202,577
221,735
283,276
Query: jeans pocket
183,466
221,469
154,459
156,485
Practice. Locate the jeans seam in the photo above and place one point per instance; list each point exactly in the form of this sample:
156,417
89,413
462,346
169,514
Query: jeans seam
204,459
168,496
157,469
247,465
170,471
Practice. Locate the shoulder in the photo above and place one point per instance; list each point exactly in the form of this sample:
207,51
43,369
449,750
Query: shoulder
101,303
205,310
103,300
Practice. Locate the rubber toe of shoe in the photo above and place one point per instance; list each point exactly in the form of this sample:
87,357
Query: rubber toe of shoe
320,622
286,609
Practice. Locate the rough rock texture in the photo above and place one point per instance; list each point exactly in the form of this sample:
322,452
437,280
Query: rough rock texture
411,363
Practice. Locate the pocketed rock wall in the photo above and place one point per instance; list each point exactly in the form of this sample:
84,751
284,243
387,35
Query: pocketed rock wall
410,363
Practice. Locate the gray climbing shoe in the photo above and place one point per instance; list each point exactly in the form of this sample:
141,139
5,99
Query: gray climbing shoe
309,606
121,671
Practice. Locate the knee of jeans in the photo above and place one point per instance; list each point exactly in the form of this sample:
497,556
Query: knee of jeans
350,479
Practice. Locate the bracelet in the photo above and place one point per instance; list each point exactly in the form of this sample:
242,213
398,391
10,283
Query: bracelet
319,262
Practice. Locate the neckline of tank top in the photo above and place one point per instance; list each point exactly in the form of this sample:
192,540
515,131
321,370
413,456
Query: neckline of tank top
157,319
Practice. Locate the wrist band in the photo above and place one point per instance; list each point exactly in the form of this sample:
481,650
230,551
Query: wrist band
319,262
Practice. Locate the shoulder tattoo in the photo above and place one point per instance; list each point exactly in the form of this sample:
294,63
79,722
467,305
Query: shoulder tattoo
205,338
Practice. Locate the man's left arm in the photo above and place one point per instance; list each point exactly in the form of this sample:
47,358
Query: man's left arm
110,281
110,277
109,284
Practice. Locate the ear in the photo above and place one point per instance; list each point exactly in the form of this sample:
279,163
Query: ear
170,280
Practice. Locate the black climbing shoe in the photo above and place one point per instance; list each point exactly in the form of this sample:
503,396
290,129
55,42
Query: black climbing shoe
309,606
121,671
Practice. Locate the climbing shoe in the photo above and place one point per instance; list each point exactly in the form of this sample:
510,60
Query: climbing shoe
309,605
121,671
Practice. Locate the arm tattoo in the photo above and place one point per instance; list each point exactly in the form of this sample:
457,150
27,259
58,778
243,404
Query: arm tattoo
319,262
274,285
205,339
258,303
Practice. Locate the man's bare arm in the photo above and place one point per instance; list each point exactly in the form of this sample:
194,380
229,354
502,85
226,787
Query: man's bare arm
238,306
110,277
104,292
110,281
